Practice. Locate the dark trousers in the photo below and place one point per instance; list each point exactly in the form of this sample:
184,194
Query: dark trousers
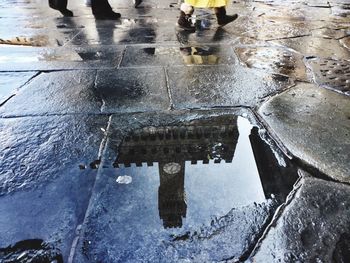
98,6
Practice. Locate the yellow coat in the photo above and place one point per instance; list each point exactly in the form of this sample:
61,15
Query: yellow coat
207,3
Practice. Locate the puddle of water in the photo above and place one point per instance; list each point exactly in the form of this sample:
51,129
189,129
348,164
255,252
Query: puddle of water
189,174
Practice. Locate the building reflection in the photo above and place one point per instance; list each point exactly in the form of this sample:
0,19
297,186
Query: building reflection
206,142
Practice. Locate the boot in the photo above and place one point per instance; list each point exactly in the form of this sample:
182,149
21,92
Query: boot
60,5
137,3
221,16
102,10
185,23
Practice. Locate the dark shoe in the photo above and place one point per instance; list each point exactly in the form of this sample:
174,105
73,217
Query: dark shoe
222,18
185,23
66,12
137,3
110,15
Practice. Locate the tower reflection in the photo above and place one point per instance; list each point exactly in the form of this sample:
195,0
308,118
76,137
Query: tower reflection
203,142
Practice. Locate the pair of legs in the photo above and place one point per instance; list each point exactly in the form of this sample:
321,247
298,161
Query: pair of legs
101,9
187,10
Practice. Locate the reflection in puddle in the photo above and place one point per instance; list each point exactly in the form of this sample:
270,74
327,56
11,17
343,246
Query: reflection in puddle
199,55
31,250
201,170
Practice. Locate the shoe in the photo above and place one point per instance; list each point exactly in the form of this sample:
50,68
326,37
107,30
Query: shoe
108,15
66,12
137,3
222,18
185,23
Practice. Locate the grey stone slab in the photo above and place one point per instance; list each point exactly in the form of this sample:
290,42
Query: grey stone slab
132,90
56,93
313,123
345,42
314,227
211,86
128,222
174,55
274,59
333,74
317,47
16,58
10,82
44,191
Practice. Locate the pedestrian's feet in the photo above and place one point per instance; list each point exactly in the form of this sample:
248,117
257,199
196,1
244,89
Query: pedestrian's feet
107,15
224,20
137,3
185,23
66,12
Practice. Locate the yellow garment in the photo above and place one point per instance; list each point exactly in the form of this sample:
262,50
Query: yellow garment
206,3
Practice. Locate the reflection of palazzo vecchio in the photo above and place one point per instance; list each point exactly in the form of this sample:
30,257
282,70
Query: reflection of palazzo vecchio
171,147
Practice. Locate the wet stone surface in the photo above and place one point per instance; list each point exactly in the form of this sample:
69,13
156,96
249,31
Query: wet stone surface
313,123
318,47
202,190
30,251
43,191
10,82
274,59
132,89
56,92
210,86
64,58
314,227
333,74
136,56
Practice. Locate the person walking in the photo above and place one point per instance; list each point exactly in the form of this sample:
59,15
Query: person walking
137,2
219,6
101,9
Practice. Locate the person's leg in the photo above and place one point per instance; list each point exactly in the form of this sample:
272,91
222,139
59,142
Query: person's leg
60,5
184,21
137,2
221,16
102,10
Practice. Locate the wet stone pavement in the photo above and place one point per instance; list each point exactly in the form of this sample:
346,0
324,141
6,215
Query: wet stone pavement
133,141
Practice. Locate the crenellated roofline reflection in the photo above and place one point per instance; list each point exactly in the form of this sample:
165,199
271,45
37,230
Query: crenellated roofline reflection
202,142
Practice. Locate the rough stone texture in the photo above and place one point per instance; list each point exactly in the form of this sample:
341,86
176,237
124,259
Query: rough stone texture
174,55
132,90
32,148
127,216
44,192
10,82
313,123
60,58
317,47
274,59
209,86
334,74
56,92
314,227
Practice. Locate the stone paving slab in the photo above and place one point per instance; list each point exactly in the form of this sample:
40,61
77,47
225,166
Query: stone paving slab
17,58
44,191
144,56
56,93
215,86
274,59
316,47
114,231
313,123
314,226
137,89
333,74
10,82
